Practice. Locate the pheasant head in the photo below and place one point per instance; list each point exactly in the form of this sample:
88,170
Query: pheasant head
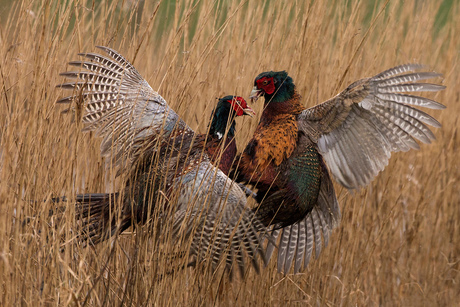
224,114
275,86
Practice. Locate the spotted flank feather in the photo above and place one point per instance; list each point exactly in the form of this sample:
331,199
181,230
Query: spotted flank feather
297,241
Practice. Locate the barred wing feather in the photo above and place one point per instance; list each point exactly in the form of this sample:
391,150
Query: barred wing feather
297,241
357,130
211,209
119,105
355,133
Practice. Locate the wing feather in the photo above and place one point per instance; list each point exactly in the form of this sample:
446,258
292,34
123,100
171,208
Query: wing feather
119,105
310,239
372,118
210,209
290,255
301,244
231,232
283,248
299,239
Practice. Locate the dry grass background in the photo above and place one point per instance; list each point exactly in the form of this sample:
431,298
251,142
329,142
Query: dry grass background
399,239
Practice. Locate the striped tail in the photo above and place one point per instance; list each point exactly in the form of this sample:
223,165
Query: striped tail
97,217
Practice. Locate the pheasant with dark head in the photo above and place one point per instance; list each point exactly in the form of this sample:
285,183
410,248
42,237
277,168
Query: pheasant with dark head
354,133
219,145
168,165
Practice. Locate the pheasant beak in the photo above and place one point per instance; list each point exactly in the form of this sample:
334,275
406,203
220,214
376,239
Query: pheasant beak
249,111
255,94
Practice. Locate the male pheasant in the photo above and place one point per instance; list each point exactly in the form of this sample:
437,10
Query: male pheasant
353,133
170,167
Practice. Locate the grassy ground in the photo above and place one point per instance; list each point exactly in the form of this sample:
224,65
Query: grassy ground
399,239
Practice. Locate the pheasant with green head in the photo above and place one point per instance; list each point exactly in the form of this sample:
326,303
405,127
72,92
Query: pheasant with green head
219,145
168,165
354,133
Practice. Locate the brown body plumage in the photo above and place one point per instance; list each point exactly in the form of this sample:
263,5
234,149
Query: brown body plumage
354,133
221,151
169,167
274,140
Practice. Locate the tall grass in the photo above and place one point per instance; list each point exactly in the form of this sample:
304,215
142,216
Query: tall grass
399,239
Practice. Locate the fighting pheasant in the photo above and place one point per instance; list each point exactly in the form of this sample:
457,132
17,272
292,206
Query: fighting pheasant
170,167
353,133
218,147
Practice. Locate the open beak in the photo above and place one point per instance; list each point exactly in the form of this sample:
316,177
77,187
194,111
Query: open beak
249,111
255,94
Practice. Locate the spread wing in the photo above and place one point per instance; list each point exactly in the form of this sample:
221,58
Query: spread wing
122,108
211,209
357,130
119,105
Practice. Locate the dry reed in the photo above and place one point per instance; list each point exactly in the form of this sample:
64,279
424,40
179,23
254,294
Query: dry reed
399,239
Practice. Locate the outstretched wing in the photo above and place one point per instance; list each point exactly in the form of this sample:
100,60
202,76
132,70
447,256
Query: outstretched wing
119,105
123,109
211,209
357,130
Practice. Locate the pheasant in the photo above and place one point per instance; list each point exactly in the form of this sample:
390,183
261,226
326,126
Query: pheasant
224,114
169,166
353,133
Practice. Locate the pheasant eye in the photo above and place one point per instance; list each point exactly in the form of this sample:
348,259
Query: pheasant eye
265,82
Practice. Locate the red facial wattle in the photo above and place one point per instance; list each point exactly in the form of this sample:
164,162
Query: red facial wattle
266,84
237,106
241,107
